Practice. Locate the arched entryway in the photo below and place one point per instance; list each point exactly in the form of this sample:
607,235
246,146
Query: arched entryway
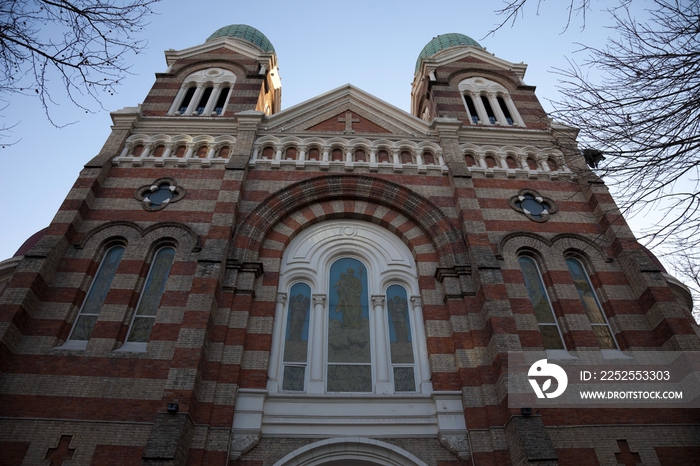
350,451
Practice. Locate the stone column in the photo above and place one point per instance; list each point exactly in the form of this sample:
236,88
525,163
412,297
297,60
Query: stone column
381,355
277,339
195,100
213,97
417,308
317,342
500,116
178,99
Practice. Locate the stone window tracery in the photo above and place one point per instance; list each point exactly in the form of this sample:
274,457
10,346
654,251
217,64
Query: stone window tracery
488,102
160,193
348,318
204,93
534,206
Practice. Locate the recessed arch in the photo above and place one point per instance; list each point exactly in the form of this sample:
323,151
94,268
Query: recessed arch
446,239
346,451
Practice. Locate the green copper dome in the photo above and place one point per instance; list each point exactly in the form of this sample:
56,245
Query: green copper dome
445,41
245,32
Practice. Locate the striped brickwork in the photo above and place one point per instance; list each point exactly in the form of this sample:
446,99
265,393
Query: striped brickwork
214,327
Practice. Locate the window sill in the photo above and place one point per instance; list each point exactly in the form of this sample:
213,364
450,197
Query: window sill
131,347
72,345
559,354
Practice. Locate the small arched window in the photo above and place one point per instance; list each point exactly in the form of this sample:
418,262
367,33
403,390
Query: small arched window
96,294
469,159
536,291
594,311
149,302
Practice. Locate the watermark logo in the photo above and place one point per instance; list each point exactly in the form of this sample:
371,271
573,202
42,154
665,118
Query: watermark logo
542,368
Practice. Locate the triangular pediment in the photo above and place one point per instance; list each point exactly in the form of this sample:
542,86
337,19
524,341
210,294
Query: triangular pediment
454,54
346,110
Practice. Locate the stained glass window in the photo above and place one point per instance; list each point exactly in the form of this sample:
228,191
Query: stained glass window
544,313
296,343
349,348
97,294
592,306
152,293
400,340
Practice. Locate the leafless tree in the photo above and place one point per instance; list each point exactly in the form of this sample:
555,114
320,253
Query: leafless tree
637,103
83,44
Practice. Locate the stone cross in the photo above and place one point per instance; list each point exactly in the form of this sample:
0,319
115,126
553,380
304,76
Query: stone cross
626,456
62,452
348,120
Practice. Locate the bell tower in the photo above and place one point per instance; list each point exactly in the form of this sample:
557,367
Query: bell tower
234,70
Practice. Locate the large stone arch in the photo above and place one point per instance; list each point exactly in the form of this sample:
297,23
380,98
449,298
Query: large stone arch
446,239
346,451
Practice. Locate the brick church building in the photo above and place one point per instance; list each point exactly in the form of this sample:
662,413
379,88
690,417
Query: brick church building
337,283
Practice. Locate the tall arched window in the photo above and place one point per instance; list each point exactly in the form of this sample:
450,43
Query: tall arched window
601,327
149,302
536,291
96,294
348,318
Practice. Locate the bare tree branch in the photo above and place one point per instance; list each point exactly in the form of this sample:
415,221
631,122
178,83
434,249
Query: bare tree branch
84,44
514,8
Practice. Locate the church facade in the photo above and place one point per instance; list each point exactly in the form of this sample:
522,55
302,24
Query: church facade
338,283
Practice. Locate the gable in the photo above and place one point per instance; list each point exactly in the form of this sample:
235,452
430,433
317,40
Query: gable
348,123
346,110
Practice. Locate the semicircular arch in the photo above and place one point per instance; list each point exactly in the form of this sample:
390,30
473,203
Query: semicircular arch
446,239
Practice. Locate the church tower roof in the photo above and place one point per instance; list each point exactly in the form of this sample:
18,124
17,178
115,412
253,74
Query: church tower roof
445,41
245,32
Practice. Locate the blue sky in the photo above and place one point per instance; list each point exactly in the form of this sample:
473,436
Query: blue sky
320,45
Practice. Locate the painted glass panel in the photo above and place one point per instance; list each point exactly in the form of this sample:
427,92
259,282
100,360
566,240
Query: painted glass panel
404,379
97,294
293,379
604,337
585,291
348,322
536,292
151,296
399,325
541,305
297,336
348,328
551,337
349,378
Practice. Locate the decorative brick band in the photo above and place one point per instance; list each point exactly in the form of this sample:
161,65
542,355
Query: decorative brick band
446,238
